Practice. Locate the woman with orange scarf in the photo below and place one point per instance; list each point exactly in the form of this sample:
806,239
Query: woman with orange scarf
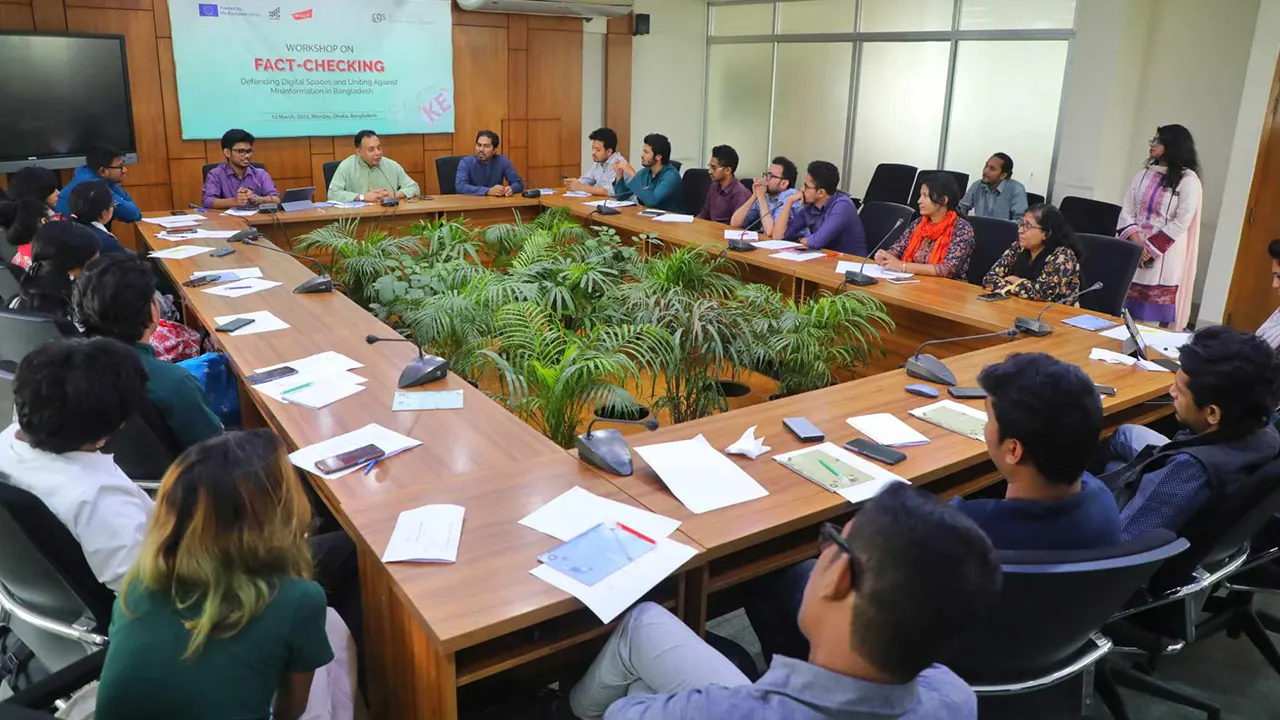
939,242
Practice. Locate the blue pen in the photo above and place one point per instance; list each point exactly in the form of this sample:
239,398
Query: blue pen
369,467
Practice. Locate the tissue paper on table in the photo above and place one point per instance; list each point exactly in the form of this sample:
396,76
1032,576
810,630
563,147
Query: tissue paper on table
749,445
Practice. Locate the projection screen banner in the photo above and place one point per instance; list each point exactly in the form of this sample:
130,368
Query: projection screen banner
317,67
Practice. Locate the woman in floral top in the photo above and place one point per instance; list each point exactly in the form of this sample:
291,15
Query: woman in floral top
1044,264
939,242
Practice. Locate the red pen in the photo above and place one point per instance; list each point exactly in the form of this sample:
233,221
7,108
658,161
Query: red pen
642,536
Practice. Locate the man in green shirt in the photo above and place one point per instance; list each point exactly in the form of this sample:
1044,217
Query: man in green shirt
658,184
115,298
367,176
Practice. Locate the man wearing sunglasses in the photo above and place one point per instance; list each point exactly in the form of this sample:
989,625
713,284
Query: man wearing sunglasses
881,607
102,162
238,182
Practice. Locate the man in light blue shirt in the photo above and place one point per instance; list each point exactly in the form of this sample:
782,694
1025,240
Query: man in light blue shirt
604,156
997,194
871,654
768,195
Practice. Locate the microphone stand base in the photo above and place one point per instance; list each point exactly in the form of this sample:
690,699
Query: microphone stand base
318,284
1034,328
930,368
737,245
426,369
606,210
859,279
605,449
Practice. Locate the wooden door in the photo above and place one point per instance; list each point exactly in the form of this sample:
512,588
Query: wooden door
1251,299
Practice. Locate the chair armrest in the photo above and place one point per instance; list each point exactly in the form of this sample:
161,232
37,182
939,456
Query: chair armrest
148,485
1201,580
1102,646
61,683
57,627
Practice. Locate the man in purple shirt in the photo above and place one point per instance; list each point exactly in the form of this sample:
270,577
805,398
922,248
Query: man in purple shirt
238,182
726,193
881,608
823,215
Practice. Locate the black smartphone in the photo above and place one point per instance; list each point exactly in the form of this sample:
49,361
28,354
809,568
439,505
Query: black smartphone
349,459
222,252
177,212
268,375
234,325
1105,390
967,393
876,451
803,429
200,281
992,297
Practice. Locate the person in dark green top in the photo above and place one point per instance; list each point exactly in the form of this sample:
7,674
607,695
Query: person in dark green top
658,184
115,297
219,615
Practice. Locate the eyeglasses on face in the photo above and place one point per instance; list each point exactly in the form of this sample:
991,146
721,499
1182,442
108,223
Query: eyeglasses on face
115,167
771,176
242,151
828,535
1024,225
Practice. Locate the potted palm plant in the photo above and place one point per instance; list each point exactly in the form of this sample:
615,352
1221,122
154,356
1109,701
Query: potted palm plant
357,262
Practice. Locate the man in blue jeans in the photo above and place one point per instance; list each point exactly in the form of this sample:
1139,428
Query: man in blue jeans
880,608
1223,395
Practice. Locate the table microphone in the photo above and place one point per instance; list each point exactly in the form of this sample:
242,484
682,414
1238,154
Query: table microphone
607,449
423,370
861,279
1038,328
928,367
607,209
741,243
322,283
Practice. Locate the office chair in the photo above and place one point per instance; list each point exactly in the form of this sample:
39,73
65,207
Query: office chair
748,184
1219,535
878,217
1112,261
1043,629
891,182
328,169
9,284
1090,216
675,164
447,173
204,172
991,237
38,701
962,179
55,602
696,183
1034,199
22,332
144,446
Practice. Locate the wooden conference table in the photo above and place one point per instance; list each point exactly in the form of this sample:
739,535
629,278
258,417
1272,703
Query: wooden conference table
433,632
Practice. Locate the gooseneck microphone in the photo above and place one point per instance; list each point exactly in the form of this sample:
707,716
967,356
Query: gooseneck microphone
426,368
858,278
1039,328
321,283
607,449
928,367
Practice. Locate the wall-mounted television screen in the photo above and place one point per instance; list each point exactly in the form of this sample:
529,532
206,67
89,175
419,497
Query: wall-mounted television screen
62,94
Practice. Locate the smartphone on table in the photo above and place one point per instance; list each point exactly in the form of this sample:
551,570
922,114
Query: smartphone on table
993,297
876,451
266,376
349,459
234,325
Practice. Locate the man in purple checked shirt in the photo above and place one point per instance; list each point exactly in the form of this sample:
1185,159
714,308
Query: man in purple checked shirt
238,182
822,216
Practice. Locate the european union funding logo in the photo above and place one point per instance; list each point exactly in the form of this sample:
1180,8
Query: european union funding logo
208,10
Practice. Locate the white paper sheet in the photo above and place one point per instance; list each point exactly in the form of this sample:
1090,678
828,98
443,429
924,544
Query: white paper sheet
748,235
798,256
319,363
863,490
426,400
279,389
887,429
238,212
577,194
323,393
547,191
777,244
348,204
673,218
1111,356
230,274
870,268
430,533
610,203
185,220
182,252
1148,365
200,234
576,510
240,288
700,476
1166,342
371,434
263,321
610,597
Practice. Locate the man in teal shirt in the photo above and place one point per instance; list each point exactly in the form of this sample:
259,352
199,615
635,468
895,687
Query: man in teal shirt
367,176
115,298
658,184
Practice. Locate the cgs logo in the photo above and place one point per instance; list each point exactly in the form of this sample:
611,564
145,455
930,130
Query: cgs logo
379,17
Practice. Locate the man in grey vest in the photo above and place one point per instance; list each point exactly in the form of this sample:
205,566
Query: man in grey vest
1223,396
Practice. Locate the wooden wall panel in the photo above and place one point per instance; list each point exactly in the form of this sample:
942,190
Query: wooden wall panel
437,141
479,53
477,19
544,143
112,4
557,55
16,17
51,15
517,84
323,146
162,19
517,32
406,150
617,88
186,178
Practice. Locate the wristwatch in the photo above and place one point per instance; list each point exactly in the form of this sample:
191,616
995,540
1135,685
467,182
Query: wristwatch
360,197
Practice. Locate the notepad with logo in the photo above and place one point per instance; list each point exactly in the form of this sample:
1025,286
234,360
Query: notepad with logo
825,469
953,416
598,553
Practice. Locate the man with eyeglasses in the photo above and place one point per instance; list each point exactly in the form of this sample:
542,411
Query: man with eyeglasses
726,193
238,182
102,162
822,215
768,195
881,607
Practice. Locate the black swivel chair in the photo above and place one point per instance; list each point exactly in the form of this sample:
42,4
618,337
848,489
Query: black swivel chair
328,169
447,173
204,172
22,332
696,182
144,446
891,182
676,164
749,183
6,394
991,237
878,218
1043,629
1090,216
1034,199
9,283
1113,262
962,179
38,701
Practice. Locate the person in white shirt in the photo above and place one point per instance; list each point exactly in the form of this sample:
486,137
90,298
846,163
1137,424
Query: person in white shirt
70,396
604,156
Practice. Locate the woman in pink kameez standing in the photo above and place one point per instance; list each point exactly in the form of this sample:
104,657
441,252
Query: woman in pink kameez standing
1161,212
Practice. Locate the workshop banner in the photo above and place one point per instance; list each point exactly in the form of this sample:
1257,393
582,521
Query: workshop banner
313,67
